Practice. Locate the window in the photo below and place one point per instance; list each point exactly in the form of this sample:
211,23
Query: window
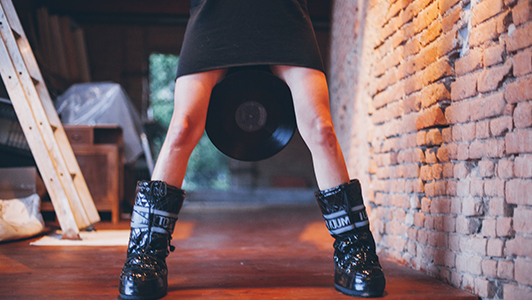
207,167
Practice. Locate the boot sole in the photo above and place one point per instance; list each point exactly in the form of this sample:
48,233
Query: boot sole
147,297
357,293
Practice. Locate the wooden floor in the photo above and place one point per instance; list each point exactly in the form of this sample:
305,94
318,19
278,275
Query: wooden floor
263,253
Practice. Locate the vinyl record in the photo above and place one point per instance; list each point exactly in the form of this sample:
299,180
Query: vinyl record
251,115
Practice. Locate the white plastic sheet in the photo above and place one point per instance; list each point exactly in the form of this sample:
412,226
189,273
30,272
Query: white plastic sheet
103,103
20,218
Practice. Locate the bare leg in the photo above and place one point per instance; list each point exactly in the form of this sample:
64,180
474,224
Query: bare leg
311,103
192,94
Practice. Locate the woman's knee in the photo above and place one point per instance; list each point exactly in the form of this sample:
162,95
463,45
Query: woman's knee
319,134
184,132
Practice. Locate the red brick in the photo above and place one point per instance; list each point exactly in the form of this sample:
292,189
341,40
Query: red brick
448,170
519,245
523,115
425,17
490,106
486,168
494,187
430,189
430,117
484,287
519,39
421,138
523,166
458,112
522,12
436,71
411,47
505,270
483,32
434,93
451,18
478,149
472,61
523,220
472,207
381,99
492,78
496,148
483,130
519,90
445,5
473,265
519,141
504,19
485,10
447,43
412,103
522,63
437,171
495,247
442,154
493,55
509,109
452,150
425,173
418,156
460,171
388,30
419,220
464,87
504,227
467,225
413,83
463,151
505,169
477,189
440,188
411,171
394,10
430,156
433,31
489,227
515,292
466,132
501,125
523,271
499,207
434,137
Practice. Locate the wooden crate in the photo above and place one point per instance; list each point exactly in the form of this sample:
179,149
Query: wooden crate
99,151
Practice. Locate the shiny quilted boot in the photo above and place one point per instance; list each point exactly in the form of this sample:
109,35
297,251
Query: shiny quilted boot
357,271
144,275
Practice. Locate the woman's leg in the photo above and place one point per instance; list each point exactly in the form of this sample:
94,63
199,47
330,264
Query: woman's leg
311,103
192,94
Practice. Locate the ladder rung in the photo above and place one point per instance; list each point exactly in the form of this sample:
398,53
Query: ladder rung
16,34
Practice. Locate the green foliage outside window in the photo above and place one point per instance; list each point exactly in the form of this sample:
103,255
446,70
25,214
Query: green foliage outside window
207,167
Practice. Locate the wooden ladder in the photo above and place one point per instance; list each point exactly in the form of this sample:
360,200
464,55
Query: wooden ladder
42,127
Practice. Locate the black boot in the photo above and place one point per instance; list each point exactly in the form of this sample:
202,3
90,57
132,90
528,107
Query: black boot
145,275
357,271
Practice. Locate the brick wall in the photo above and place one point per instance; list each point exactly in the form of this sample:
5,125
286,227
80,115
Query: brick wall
432,102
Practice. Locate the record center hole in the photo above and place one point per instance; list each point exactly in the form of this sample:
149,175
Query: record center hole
251,116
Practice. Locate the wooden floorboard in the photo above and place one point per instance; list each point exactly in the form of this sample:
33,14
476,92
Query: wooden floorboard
263,253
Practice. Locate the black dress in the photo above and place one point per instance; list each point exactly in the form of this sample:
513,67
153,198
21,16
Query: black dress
229,33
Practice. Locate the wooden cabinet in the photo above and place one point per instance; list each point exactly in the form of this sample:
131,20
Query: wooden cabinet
99,151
